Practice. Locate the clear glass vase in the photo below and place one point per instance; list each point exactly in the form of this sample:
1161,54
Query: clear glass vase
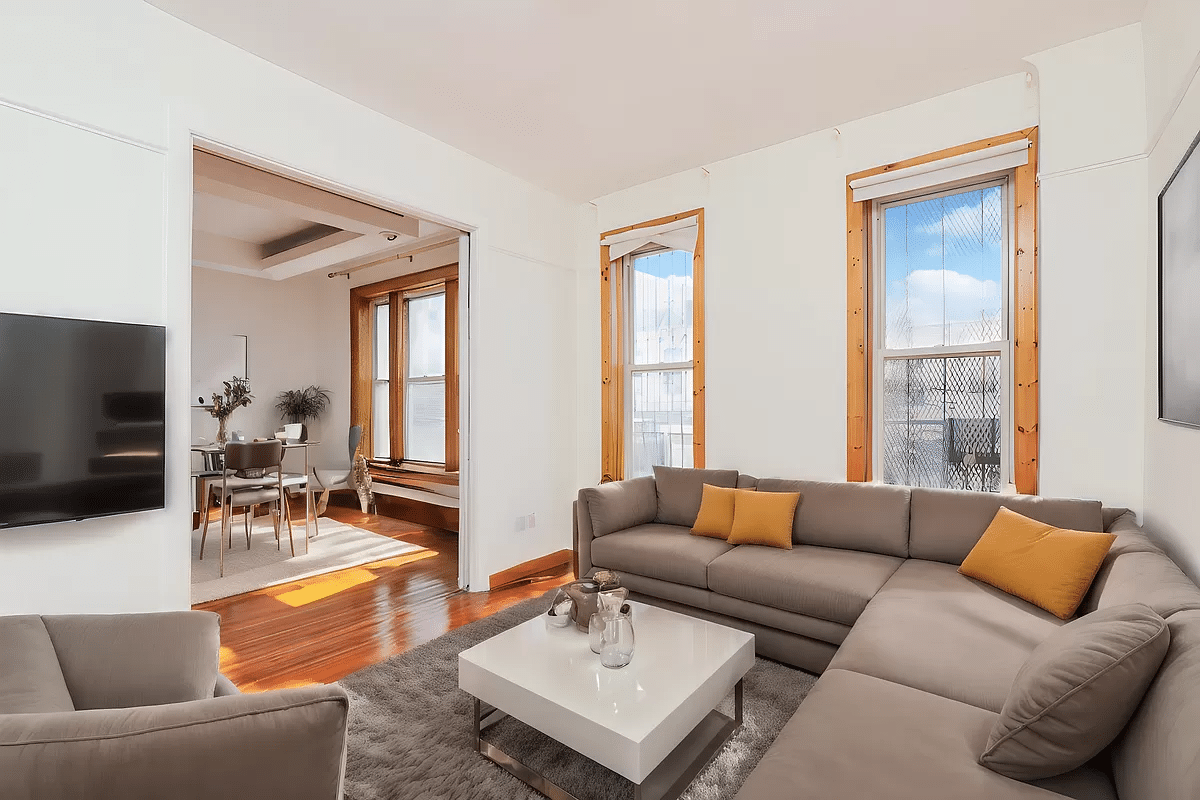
616,649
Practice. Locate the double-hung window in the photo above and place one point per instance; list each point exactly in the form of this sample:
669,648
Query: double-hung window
942,338
942,318
652,346
658,360
403,375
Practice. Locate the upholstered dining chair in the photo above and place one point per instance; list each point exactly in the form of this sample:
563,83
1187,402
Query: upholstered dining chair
252,476
326,480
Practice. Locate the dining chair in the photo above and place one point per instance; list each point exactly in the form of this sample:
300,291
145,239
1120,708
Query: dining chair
241,488
325,480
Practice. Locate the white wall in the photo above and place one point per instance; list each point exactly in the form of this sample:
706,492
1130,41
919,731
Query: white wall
297,333
125,67
1092,240
1172,53
776,289
775,269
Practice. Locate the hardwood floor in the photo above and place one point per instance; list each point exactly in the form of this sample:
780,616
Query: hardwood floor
321,629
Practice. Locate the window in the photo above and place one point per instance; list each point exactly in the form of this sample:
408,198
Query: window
403,371
659,361
942,366
940,268
425,378
652,346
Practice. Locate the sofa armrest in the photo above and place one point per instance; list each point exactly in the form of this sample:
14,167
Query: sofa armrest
287,743
582,534
612,507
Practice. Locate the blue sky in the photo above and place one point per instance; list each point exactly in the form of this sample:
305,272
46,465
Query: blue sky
944,261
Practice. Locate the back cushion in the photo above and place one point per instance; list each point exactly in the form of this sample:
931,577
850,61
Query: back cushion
618,505
872,518
680,490
30,678
1158,755
946,523
123,660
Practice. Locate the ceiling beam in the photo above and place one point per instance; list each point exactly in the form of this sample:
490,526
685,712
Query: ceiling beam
306,248
224,178
409,249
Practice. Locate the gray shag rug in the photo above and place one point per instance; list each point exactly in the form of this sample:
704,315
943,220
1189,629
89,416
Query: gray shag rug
411,730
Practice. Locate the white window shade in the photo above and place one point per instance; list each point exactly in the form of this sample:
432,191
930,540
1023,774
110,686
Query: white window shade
946,170
678,235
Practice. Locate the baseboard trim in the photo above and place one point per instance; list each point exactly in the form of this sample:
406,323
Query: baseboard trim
529,568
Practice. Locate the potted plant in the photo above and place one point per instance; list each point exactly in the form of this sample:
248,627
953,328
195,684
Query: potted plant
301,405
237,394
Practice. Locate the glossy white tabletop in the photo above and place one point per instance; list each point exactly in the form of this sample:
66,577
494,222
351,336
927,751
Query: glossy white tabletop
627,719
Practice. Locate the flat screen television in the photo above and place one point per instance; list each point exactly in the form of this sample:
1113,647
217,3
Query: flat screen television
82,418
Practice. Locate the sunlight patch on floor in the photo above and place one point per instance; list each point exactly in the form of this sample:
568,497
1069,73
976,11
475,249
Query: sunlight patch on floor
326,586
400,561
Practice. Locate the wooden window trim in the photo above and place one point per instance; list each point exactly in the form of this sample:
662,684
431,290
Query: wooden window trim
612,351
362,300
860,315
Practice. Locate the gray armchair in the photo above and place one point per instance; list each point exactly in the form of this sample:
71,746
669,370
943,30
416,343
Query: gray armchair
132,706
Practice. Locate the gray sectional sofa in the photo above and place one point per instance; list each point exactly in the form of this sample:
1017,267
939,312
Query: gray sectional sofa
915,659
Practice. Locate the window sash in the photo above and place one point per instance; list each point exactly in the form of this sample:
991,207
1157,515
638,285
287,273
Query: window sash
1002,348
631,369
387,444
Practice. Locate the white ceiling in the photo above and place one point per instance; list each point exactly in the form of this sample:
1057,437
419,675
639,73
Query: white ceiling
584,98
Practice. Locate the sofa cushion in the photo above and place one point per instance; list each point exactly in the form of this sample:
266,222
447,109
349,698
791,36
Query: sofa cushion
1158,755
945,524
821,582
124,660
30,678
1050,567
667,552
764,518
618,505
855,736
679,491
1076,692
715,518
849,516
941,632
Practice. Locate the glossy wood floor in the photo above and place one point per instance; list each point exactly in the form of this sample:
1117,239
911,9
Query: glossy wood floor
321,629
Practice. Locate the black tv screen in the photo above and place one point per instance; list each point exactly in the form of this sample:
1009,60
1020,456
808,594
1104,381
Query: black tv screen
82,418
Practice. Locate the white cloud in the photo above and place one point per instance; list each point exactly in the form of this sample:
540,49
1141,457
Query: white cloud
938,298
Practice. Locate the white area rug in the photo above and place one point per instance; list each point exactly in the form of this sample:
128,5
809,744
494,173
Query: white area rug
339,546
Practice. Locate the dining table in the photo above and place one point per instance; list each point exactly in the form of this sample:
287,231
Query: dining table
212,474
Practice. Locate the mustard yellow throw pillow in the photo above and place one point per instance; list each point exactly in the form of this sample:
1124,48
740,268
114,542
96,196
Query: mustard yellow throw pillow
764,518
715,518
1047,566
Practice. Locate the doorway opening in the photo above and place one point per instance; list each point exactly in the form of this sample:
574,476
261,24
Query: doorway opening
291,351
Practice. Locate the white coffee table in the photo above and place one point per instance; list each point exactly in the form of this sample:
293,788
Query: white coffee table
653,722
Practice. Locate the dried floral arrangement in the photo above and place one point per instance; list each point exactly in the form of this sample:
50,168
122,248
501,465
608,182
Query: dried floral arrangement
237,394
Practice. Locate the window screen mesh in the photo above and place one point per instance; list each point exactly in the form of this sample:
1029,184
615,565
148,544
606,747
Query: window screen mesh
941,425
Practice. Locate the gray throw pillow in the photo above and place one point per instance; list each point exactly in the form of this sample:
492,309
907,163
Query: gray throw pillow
680,490
1076,692
619,505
